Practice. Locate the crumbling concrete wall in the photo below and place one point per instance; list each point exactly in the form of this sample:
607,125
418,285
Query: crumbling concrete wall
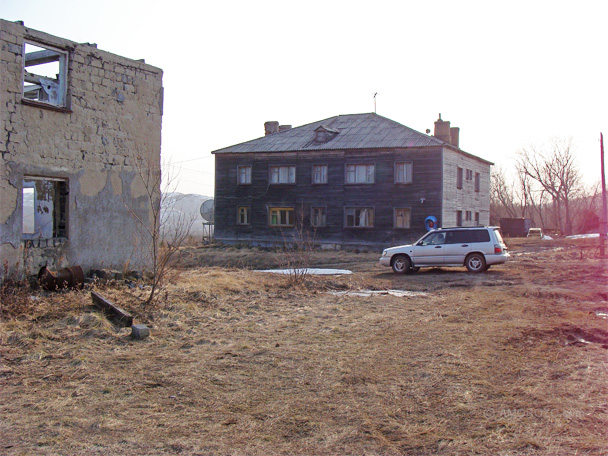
89,142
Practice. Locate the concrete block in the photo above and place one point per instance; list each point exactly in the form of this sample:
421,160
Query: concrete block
140,332
15,48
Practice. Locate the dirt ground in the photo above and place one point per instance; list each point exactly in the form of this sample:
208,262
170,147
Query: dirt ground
513,361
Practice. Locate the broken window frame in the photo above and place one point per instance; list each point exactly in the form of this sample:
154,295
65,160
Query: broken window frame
56,91
52,219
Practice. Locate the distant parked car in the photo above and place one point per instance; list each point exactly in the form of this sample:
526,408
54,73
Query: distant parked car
477,248
535,232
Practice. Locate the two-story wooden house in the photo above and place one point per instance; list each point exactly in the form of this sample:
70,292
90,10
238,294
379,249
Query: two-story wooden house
358,179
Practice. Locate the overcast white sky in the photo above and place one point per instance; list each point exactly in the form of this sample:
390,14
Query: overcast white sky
509,74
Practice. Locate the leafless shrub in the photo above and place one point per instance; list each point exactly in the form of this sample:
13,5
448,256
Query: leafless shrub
161,240
297,253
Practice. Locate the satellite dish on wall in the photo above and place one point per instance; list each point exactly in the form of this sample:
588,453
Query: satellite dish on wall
430,223
207,210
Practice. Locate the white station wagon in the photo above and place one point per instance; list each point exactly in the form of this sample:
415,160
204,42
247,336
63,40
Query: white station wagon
477,248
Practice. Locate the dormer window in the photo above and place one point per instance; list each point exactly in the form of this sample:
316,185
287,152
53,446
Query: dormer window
325,134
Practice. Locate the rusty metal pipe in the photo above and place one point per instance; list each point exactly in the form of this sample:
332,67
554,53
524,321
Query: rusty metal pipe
71,277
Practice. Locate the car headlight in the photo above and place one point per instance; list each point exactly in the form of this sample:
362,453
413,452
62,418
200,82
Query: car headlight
384,252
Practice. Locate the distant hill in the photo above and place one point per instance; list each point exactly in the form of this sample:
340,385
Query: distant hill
184,206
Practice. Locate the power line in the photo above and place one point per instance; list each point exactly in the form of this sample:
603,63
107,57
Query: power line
194,159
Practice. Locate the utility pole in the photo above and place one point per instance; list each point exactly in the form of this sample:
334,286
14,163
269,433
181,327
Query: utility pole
604,220
375,112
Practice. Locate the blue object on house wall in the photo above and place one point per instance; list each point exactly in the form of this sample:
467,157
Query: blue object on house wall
431,223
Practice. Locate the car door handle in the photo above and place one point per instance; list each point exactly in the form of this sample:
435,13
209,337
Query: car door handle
464,245
438,247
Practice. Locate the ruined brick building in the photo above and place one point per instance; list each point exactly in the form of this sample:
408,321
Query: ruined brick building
74,121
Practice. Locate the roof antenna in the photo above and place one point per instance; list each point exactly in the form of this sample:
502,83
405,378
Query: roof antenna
375,102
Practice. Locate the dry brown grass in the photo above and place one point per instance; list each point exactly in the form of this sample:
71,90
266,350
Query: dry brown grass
512,361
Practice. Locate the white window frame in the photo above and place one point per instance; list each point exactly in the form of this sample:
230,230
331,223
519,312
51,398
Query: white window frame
281,174
408,219
319,174
404,172
360,173
362,217
243,178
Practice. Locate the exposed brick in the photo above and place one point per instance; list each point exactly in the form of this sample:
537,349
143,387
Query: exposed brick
99,133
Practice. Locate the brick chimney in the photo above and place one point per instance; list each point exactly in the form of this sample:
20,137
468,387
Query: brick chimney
454,136
445,133
270,128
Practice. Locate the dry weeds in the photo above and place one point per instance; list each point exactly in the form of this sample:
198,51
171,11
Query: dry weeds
512,361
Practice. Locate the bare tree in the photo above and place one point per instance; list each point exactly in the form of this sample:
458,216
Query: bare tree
556,174
511,200
502,197
161,239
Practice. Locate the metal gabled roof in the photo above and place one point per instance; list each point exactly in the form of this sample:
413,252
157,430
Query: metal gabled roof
355,131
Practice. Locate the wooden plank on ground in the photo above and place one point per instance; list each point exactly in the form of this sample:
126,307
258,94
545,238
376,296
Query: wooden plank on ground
122,317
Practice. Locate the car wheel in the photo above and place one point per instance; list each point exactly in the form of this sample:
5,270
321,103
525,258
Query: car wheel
475,262
400,264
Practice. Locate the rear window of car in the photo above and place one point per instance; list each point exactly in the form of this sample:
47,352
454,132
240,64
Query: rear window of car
498,236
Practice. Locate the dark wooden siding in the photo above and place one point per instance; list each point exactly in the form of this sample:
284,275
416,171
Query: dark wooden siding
383,195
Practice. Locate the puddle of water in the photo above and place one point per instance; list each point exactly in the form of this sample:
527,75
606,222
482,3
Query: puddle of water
368,293
602,314
308,271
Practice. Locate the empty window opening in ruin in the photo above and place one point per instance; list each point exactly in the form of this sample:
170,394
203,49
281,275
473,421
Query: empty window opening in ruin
44,208
45,75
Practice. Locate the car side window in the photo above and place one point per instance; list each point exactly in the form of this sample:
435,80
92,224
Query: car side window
480,236
458,237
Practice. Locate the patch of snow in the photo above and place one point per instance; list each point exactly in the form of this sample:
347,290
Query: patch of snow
547,238
311,271
583,236
368,293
